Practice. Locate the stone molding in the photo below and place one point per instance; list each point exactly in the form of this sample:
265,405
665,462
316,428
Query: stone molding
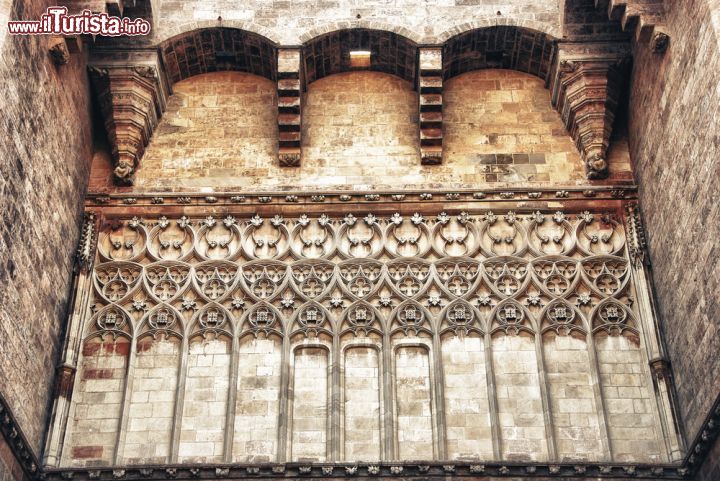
557,194
393,470
17,441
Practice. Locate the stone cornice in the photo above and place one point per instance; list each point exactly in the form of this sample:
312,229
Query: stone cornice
704,440
397,470
528,195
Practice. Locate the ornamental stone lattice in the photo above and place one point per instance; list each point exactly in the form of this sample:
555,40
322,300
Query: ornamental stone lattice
465,336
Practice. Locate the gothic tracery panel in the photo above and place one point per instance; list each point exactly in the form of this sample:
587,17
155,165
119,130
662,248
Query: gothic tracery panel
468,336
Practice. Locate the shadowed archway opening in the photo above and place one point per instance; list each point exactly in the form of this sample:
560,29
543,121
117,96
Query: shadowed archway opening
500,47
218,49
330,53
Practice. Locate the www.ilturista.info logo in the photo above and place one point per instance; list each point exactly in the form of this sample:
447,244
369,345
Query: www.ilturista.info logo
56,21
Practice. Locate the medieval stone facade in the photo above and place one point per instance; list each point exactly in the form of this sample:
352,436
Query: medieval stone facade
487,248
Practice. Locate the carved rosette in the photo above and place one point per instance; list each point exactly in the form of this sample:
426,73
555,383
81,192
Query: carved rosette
586,96
132,101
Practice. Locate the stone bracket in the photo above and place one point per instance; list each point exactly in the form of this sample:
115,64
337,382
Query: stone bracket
289,107
641,18
586,87
132,91
430,83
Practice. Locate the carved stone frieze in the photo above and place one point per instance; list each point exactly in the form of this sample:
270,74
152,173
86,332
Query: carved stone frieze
412,273
569,194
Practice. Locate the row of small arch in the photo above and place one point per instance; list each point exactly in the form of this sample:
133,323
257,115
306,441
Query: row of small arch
212,48
377,323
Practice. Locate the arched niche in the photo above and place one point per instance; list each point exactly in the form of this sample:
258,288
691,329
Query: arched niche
501,46
218,49
329,54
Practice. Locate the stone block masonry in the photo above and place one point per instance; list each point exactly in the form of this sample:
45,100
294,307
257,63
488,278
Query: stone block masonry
219,132
45,152
675,127
212,341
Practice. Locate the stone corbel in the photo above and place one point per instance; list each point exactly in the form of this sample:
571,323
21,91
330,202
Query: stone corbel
644,20
289,107
430,84
586,88
132,95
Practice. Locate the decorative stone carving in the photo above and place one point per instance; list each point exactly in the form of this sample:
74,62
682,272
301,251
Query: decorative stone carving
660,42
85,255
586,91
408,270
59,52
637,244
132,99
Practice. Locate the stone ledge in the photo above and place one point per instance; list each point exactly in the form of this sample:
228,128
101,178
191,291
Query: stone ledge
398,470
351,197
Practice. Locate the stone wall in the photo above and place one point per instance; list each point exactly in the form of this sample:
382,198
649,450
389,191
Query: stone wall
291,23
360,131
10,468
675,143
44,162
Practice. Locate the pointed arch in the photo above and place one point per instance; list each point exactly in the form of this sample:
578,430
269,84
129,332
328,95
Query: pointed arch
263,318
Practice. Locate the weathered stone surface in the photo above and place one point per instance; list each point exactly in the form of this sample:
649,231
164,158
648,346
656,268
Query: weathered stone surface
10,468
674,128
290,23
360,129
45,149
363,133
